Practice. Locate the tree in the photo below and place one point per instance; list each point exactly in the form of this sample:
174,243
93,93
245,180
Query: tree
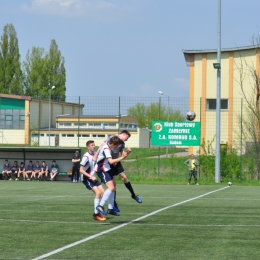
249,81
55,66
35,73
155,111
44,70
10,67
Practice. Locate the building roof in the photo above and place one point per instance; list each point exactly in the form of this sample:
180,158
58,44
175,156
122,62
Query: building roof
92,116
189,55
222,49
15,96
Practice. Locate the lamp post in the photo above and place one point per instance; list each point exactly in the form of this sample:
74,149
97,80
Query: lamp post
52,88
161,93
217,66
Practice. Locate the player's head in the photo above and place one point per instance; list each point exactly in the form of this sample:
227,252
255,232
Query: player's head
30,162
6,161
114,142
90,145
22,163
53,162
192,156
124,135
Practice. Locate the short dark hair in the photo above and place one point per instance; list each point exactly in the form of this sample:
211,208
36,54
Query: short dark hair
22,163
125,132
53,161
115,140
89,142
30,161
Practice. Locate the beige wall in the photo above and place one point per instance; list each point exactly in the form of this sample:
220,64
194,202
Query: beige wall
203,85
7,136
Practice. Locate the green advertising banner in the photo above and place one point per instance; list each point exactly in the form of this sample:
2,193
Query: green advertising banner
175,133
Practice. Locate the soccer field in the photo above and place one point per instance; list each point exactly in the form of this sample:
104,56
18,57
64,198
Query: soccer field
53,220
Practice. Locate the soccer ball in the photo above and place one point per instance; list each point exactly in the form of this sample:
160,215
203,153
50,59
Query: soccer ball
229,183
191,115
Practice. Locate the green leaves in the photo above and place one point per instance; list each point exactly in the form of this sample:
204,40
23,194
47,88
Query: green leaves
154,111
39,72
43,70
10,67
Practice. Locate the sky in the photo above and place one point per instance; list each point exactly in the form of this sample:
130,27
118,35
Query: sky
129,47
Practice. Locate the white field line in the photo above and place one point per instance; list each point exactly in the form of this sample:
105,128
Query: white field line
139,224
122,225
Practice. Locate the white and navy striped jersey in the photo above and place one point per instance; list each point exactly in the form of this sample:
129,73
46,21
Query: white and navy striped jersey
102,164
88,164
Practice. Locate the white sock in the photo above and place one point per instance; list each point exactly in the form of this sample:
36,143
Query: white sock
105,197
111,200
96,203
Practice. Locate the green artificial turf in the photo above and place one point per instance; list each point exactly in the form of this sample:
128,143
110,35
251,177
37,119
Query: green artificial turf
173,222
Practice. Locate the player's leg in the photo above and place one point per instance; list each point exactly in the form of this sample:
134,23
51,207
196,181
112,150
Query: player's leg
28,175
120,171
46,175
98,190
25,175
130,188
16,175
107,179
115,207
190,175
10,173
195,177
112,209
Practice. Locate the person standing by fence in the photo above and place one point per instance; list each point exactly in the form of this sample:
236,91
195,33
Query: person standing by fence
193,164
76,165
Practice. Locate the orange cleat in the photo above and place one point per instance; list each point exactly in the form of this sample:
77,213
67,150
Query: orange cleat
99,217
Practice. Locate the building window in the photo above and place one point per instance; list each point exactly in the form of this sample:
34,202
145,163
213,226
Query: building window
80,124
99,136
83,135
64,124
94,124
67,135
11,119
212,104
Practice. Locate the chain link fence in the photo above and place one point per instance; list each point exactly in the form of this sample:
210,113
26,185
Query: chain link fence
51,123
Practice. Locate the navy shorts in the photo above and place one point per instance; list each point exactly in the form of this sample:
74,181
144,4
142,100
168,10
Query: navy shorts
105,176
90,184
117,169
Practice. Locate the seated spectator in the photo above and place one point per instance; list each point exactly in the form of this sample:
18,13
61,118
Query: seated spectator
6,170
29,170
54,170
14,170
36,170
43,174
22,171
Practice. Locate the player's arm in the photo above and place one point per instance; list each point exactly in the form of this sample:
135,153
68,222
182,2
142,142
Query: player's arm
123,156
128,150
95,156
187,162
82,171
